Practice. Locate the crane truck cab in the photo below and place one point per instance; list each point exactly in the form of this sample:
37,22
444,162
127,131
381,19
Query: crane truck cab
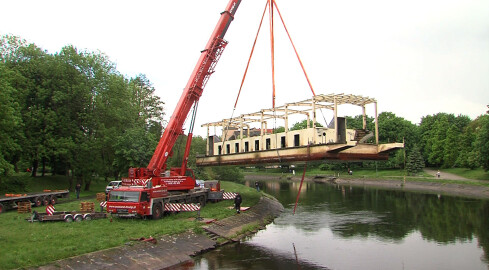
137,198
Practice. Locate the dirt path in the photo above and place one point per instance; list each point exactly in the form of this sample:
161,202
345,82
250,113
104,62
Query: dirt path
444,175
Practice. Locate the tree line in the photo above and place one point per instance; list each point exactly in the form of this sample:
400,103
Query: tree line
442,140
74,113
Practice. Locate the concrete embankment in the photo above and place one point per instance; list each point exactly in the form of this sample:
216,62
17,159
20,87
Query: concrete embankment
173,250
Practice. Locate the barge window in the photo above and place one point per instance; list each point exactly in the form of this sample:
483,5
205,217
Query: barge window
247,147
267,144
219,150
282,142
236,148
228,149
257,145
296,140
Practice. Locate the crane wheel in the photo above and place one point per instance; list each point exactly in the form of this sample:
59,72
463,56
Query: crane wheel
68,218
78,218
53,199
37,201
45,201
157,211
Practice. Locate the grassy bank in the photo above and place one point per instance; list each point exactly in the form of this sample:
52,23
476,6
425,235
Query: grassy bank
312,171
474,177
26,244
24,183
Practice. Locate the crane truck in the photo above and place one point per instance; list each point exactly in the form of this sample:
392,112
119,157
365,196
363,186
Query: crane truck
146,190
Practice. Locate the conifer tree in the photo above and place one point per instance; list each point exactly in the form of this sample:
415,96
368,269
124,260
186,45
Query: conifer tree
415,162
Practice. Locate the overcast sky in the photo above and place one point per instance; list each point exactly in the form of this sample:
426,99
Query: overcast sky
416,57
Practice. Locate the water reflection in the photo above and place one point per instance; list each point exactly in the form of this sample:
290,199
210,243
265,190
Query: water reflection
247,255
388,214
348,228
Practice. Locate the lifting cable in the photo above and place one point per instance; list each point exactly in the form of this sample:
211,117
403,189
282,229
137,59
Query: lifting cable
300,187
192,123
297,54
298,58
244,75
251,54
272,59
272,50
270,5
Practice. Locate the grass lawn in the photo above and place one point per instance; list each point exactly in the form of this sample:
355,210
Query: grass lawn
26,244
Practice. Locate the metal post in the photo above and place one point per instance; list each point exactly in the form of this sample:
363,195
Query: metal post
376,125
241,148
208,143
364,117
335,120
261,132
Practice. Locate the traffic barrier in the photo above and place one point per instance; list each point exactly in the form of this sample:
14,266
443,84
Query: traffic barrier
229,195
181,207
50,210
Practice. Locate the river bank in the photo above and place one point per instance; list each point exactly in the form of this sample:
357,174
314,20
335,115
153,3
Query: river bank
453,188
172,250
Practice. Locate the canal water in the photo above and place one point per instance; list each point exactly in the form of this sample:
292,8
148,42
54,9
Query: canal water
337,227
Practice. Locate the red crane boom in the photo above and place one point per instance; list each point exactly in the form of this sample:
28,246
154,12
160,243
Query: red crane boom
190,96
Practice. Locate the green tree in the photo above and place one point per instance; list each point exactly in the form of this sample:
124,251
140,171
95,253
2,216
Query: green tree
482,141
468,156
439,135
279,130
10,124
414,162
147,105
33,96
134,149
452,147
397,129
356,122
303,125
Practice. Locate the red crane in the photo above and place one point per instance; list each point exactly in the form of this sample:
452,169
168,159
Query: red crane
177,179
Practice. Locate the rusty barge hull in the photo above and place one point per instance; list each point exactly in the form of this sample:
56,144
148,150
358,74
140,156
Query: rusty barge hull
319,152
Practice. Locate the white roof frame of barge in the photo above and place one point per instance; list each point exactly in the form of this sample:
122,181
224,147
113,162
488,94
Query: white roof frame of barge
330,102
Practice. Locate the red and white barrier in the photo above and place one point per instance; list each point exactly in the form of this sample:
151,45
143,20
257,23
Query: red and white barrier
103,204
229,195
181,207
50,210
